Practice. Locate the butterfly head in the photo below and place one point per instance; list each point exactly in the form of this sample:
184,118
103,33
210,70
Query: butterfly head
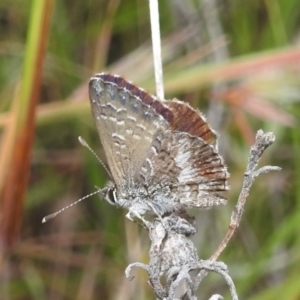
109,193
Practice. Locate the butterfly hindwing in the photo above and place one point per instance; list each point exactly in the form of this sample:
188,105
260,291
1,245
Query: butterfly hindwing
192,169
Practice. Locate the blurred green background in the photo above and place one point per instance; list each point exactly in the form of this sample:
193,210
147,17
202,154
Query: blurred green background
237,61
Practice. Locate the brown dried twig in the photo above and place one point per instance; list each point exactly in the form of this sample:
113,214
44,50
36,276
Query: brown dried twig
262,142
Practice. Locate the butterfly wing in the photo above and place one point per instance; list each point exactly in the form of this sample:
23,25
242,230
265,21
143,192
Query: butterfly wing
192,169
190,120
126,124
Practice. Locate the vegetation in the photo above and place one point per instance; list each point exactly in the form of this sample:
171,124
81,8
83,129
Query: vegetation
237,61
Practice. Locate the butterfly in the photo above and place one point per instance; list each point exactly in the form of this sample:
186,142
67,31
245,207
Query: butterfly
162,155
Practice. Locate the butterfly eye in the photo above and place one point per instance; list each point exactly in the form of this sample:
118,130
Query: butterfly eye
111,196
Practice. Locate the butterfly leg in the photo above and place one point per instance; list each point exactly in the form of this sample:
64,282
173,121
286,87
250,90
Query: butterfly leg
133,215
155,211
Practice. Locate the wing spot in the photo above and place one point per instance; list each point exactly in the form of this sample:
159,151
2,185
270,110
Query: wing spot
118,136
154,150
141,126
121,110
111,106
131,118
150,166
136,137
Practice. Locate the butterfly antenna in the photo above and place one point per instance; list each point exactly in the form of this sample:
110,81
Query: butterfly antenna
47,218
85,144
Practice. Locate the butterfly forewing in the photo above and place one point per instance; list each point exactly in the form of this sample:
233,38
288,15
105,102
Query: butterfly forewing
126,127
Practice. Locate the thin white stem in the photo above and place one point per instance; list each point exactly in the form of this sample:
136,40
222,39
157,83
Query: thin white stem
156,45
